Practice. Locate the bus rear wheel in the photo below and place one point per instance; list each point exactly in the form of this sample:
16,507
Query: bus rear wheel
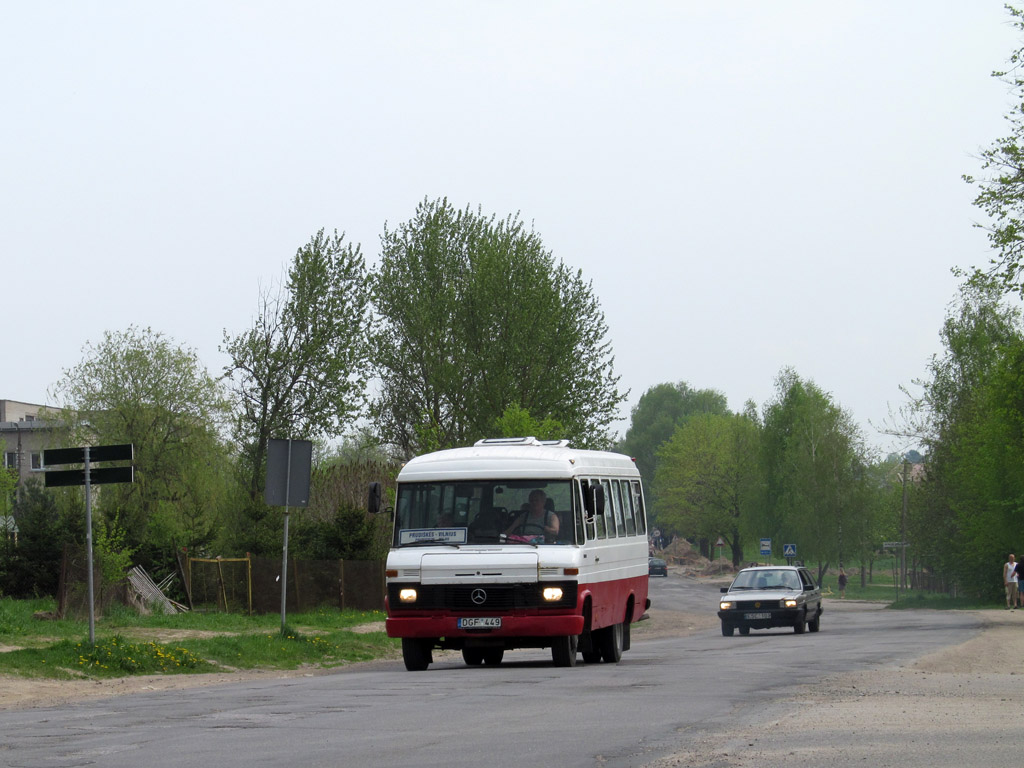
416,653
474,657
563,652
493,656
609,641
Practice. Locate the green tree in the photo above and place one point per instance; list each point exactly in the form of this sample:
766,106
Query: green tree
32,568
708,481
336,524
1001,189
139,387
8,486
815,464
661,410
517,422
972,412
477,316
301,370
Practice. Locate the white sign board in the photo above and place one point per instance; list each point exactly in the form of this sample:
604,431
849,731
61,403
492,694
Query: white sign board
432,535
766,546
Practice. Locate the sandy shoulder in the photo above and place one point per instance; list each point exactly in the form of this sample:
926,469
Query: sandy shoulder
943,709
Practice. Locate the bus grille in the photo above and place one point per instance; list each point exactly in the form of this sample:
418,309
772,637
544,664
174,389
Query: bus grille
488,597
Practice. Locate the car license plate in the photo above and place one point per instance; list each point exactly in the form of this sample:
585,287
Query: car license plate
757,615
480,622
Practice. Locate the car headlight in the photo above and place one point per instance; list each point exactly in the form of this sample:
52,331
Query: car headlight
789,602
725,605
407,595
552,594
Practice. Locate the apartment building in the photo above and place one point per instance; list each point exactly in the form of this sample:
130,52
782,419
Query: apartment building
24,435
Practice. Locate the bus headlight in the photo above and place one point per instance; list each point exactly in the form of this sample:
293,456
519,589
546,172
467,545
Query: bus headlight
552,594
407,595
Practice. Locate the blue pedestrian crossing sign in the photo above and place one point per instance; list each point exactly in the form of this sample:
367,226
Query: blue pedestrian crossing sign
789,550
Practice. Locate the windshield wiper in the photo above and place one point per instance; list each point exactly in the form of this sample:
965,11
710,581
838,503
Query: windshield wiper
421,542
504,539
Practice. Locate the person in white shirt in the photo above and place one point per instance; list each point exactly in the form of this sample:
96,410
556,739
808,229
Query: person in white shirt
1010,582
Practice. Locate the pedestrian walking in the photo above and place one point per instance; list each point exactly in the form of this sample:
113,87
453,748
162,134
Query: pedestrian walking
1010,582
842,583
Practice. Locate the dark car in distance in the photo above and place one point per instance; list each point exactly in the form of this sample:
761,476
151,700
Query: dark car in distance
770,596
656,567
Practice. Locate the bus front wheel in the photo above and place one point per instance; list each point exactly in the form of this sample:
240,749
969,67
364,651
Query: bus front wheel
563,652
609,641
416,653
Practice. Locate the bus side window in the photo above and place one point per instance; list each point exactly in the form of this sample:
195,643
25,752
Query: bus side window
598,527
638,504
579,512
627,508
620,523
609,509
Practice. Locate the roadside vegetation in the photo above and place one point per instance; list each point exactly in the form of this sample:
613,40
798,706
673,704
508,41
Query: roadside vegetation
186,643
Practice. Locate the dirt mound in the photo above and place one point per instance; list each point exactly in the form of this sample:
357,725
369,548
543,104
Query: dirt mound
681,553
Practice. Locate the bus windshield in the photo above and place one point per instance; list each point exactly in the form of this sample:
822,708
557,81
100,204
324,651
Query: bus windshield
457,512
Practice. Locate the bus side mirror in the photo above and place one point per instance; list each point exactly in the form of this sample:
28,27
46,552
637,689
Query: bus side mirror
374,500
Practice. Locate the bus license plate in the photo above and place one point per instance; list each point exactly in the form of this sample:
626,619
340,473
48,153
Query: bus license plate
757,615
480,622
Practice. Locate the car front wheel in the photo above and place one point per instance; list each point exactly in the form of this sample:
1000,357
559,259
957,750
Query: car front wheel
727,629
801,624
815,624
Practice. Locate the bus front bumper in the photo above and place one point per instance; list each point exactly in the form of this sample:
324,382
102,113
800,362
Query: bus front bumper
511,626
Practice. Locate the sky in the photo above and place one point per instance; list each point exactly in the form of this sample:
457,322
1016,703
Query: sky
749,185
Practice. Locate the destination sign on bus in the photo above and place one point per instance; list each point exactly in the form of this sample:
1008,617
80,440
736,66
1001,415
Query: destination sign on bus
439,535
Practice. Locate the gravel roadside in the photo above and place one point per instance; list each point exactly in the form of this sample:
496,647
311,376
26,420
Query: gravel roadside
955,707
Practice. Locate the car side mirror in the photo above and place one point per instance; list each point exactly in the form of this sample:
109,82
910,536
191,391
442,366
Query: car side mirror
724,590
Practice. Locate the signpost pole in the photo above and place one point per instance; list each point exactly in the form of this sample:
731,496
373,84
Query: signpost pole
88,549
284,551
88,477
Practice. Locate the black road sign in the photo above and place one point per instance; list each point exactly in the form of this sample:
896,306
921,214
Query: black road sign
96,453
97,476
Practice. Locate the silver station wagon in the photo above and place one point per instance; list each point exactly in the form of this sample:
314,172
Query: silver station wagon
770,596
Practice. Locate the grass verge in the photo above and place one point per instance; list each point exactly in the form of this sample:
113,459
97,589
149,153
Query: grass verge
130,644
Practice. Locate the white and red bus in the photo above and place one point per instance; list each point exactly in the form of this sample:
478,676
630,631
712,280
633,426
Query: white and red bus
517,543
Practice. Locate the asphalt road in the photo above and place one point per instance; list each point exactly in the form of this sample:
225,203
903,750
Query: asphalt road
524,712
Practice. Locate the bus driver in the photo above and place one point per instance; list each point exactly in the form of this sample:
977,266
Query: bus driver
536,520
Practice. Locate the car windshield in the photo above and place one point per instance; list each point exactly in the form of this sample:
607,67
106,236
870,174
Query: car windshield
484,512
766,578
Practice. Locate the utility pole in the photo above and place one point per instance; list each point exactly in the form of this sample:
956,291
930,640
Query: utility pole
903,525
